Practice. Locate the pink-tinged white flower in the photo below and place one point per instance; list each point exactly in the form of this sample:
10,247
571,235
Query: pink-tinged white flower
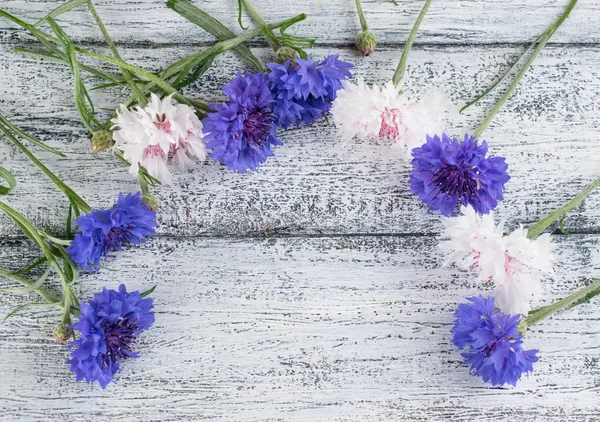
514,263
157,134
383,112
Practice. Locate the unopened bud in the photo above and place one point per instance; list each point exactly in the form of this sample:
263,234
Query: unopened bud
101,140
284,54
63,333
366,42
150,200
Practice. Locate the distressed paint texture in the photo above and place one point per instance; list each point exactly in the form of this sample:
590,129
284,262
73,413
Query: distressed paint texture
312,289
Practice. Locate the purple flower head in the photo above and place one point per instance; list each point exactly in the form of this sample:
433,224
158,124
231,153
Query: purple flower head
448,173
107,230
303,89
241,132
494,347
109,324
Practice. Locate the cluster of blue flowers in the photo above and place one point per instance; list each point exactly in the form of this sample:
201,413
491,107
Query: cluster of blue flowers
448,173
107,230
240,133
109,325
492,343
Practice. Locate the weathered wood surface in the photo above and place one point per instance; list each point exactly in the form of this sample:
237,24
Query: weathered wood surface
295,328
312,289
316,183
447,22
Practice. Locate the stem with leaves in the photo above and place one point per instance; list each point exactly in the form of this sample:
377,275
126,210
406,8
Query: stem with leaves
273,42
141,98
577,298
535,230
541,40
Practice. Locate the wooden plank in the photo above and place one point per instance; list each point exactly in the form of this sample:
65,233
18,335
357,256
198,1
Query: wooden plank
447,22
295,328
316,184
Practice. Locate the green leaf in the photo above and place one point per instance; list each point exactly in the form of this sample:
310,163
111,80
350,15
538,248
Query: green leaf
141,98
10,179
31,267
149,291
82,98
30,138
504,75
78,203
561,226
96,73
240,16
536,229
294,42
31,288
27,305
213,26
60,10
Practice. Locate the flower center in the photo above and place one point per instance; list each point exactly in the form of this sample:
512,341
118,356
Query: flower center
390,122
163,124
457,181
119,337
258,125
114,239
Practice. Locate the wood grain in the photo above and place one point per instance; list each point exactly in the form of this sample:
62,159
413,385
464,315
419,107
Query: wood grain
303,328
312,290
317,184
447,21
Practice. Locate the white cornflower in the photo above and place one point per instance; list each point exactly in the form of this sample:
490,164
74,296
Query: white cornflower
514,263
161,131
383,112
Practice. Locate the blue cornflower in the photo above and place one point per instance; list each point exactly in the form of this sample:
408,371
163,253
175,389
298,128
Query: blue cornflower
304,90
241,132
448,172
494,347
109,325
107,230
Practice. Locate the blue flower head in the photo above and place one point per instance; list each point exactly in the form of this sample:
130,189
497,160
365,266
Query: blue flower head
494,347
304,90
109,324
107,230
242,131
448,173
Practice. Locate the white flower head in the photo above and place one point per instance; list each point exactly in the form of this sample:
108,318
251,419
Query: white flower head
514,263
160,132
383,112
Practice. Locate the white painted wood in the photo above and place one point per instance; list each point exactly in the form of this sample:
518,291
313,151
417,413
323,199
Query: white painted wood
259,316
315,183
447,22
303,329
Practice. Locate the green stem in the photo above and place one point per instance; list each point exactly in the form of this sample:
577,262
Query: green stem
361,16
275,45
535,230
215,49
543,40
399,74
141,98
576,298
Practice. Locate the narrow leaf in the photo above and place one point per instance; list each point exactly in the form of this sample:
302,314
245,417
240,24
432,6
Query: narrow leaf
213,26
60,10
78,203
27,305
30,138
10,180
149,291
